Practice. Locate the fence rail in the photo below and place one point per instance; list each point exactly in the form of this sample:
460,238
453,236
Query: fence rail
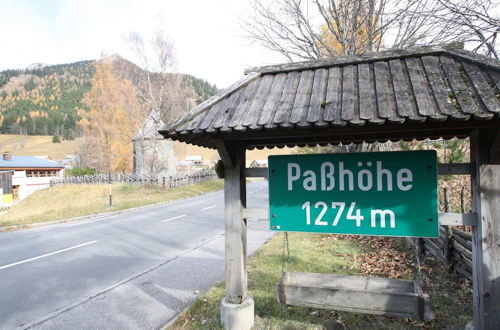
453,247
174,181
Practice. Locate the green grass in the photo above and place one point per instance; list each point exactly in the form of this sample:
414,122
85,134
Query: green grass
450,294
63,202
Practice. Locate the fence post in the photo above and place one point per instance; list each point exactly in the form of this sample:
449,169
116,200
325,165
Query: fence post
446,240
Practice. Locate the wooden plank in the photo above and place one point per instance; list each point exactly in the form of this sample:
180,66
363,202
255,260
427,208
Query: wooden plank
257,172
333,100
367,95
212,114
454,169
465,95
255,213
495,77
461,233
464,272
225,116
489,181
464,242
352,59
462,260
403,92
272,99
440,87
204,106
243,104
252,115
434,249
457,219
287,98
462,250
483,88
379,296
421,89
302,98
350,103
385,93
317,102
235,226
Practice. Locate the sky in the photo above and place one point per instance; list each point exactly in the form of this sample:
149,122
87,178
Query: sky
208,39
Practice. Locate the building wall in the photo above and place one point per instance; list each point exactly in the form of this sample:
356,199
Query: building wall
28,185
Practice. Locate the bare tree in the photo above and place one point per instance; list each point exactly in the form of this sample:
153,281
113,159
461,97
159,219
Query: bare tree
315,29
160,89
474,18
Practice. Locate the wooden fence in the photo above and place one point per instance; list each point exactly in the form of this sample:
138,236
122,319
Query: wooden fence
453,247
174,181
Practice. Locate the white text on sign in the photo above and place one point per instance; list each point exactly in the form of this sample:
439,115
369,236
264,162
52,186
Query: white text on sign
366,178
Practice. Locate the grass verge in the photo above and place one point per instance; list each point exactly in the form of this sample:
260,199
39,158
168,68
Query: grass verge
62,202
450,294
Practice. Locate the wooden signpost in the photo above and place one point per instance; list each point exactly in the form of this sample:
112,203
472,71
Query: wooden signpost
429,92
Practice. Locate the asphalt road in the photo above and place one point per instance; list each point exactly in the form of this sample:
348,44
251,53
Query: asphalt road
135,270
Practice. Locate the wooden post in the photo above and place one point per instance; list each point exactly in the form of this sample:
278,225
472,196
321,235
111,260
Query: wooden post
237,310
235,226
490,219
485,180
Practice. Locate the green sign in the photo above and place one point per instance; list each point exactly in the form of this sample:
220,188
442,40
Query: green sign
379,193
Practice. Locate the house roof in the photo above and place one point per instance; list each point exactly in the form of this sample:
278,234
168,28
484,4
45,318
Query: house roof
28,162
374,97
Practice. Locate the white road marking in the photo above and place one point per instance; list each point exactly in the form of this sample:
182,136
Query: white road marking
208,208
173,218
47,254
90,221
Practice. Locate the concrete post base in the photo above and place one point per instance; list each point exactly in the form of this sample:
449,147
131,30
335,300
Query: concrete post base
237,316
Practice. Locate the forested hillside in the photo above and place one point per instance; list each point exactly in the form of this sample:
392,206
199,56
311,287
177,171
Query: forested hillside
44,100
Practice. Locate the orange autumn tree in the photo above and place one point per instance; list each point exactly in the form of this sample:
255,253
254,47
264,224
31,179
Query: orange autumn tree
113,118
352,28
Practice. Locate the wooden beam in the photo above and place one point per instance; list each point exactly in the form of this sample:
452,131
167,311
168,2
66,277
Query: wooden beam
219,169
445,219
485,181
235,225
495,150
223,150
255,213
454,169
443,169
256,172
457,219
373,295
489,181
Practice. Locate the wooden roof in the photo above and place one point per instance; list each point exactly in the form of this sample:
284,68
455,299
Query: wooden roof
417,93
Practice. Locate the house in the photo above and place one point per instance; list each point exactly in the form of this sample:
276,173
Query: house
259,163
29,173
195,160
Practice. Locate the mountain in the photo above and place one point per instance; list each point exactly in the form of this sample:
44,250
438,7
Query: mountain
44,99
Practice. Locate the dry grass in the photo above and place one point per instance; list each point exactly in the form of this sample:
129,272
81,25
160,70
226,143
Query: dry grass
69,201
23,145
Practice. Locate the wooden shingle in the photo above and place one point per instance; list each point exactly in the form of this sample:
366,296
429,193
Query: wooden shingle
429,91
